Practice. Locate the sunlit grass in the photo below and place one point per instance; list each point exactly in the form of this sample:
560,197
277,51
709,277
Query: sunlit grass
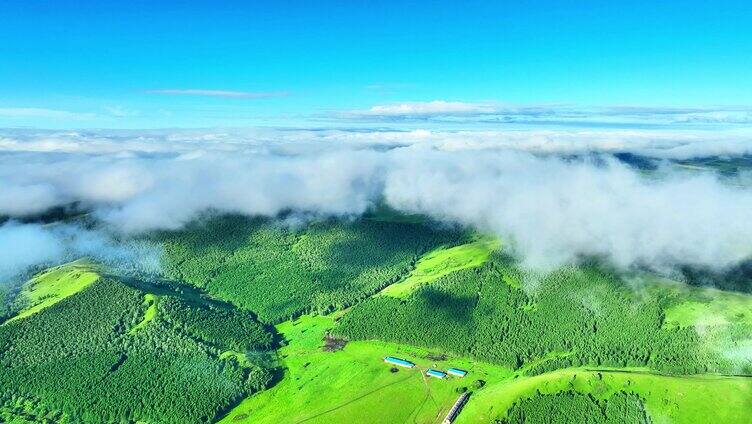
442,261
152,301
54,285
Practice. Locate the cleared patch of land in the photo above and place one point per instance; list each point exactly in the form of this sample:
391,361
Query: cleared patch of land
54,285
354,384
442,261
238,357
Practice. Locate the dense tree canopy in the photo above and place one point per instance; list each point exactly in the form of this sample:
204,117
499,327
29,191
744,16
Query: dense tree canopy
571,407
278,271
574,316
189,347
79,361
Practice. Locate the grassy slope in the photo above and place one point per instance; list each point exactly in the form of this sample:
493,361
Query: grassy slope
443,261
710,307
668,399
353,384
54,285
722,318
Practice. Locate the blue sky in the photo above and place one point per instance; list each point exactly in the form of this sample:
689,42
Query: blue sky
140,64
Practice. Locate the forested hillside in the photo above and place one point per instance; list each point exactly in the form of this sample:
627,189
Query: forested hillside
577,408
101,356
278,271
83,342
574,316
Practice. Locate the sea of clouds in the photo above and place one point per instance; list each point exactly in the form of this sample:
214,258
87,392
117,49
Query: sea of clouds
553,195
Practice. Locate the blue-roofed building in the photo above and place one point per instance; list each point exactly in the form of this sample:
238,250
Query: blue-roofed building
397,361
435,373
456,372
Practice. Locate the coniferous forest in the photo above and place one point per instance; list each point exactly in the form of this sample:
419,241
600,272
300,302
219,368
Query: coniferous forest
216,328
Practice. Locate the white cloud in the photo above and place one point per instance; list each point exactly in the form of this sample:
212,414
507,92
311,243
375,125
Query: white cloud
425,109
220,93
554,210
19,199
522,185
665,144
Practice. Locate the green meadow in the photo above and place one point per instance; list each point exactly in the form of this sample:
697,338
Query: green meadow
710,307
443,261
355,385
667,399
151,301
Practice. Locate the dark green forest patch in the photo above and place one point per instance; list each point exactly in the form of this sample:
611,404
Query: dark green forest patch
76,360
280,272
577,408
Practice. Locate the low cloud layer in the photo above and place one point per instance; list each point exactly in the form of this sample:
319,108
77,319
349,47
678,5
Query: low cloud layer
554,210
426,109
525,186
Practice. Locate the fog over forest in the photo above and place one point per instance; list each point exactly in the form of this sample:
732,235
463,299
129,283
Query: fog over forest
552,195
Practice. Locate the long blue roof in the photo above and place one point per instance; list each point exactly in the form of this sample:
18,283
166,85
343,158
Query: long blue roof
398,361
436,373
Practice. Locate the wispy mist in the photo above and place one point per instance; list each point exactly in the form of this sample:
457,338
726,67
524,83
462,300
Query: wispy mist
24,246
27,247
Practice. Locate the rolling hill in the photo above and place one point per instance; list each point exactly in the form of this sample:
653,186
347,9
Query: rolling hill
255,321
